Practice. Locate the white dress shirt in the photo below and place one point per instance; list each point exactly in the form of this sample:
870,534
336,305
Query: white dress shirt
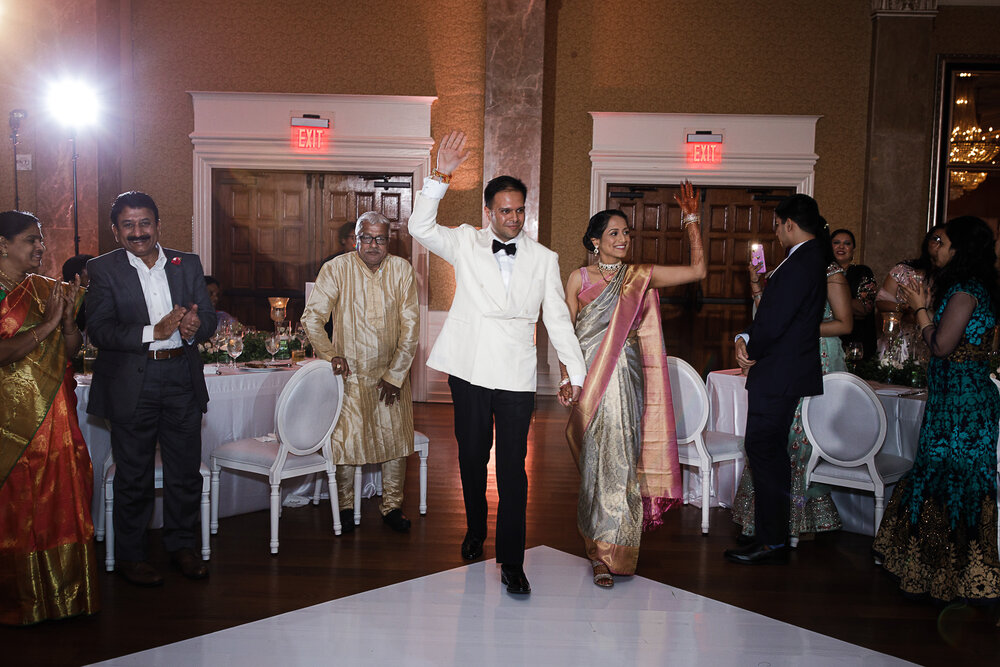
156,292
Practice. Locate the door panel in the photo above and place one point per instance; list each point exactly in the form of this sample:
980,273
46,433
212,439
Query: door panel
701,320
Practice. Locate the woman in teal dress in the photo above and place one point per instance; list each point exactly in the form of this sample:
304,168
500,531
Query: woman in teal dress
939,533
812,508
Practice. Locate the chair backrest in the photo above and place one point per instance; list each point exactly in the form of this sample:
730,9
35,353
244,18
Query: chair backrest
690,399
846,424
308,408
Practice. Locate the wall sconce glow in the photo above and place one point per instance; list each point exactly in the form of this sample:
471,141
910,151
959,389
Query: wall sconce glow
73,103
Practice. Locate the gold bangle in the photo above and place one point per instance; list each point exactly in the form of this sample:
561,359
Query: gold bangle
443,177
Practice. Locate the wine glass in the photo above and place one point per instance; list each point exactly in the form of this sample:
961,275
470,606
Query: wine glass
854,352
272,344
303,338
235,348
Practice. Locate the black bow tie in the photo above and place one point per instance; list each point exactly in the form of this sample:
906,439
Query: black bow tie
509,248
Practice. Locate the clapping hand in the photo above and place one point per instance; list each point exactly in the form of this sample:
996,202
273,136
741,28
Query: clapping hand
190,323
916,298
166,327
70,292
451,152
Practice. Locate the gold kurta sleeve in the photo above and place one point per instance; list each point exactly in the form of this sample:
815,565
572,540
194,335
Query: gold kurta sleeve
321,303
375,328
409,330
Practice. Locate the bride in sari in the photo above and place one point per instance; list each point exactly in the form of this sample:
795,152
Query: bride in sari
48,567
621,432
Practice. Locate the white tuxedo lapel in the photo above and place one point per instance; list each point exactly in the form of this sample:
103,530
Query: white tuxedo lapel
489,272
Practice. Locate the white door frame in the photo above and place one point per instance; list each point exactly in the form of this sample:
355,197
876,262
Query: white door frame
368,133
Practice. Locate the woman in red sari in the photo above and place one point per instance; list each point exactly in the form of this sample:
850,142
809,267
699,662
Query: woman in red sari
47,563
622,431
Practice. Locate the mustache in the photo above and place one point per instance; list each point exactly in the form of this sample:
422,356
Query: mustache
144,237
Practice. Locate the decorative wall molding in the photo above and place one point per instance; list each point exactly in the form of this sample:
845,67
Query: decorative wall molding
369,133
650,148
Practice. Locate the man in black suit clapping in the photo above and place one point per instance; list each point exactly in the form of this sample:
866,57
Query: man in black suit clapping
779,354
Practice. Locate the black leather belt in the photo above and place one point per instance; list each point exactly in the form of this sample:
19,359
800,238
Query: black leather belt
165,354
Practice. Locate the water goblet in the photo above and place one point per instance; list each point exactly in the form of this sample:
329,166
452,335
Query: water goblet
234,348
272,344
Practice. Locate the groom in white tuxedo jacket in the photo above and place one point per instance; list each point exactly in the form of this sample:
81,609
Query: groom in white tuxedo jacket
487,347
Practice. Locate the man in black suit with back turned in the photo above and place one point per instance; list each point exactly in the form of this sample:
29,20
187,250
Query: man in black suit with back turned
779,354
147,310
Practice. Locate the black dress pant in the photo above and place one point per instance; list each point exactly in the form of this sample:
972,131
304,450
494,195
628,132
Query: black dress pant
477,411
168,414
769,419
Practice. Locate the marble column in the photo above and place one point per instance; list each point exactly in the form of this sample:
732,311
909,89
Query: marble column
512,127
512,142
900,115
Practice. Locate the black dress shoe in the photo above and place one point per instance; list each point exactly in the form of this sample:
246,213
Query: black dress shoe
472,547
758,554
189,562
347,521
139,573
515,580
397,521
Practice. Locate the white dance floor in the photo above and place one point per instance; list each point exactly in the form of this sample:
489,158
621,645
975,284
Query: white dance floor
464,617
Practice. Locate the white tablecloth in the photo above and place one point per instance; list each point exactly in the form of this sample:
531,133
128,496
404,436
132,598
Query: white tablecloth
241,405
727,399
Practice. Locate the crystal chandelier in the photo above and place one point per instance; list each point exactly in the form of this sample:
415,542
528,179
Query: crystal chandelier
961,182
969,143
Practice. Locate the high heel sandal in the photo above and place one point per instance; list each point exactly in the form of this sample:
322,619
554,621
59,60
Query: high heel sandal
602,575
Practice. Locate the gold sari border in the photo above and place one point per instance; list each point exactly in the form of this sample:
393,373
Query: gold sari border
49,584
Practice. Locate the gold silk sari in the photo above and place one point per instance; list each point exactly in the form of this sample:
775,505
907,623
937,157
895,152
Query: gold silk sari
48,567
622,433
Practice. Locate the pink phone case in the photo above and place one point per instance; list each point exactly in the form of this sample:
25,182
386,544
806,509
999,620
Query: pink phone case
757,257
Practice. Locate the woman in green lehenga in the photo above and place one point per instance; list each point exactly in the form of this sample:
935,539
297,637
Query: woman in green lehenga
622,431
812,508
938,537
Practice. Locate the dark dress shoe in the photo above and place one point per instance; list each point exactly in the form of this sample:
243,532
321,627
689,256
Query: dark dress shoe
347,521
472,547
139,573
515,580
397,521
758,554
189,563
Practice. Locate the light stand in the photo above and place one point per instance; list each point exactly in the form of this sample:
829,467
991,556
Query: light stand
76,201
74,105
16,116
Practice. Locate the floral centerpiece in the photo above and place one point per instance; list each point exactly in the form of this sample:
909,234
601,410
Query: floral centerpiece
908,373
214,350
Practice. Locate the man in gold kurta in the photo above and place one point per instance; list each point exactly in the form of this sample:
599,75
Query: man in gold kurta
372,299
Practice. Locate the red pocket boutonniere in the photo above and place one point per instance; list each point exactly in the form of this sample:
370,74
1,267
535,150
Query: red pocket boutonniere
176,261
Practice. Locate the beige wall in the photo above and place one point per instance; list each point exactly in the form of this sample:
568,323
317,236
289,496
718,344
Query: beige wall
730,56
740,57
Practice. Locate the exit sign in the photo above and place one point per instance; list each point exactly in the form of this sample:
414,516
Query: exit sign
310,134
309,139
704,149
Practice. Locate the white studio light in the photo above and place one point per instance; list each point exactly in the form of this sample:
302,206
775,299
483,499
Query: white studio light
73,103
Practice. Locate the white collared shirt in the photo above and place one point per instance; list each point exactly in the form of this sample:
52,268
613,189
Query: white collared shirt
156,292
505,261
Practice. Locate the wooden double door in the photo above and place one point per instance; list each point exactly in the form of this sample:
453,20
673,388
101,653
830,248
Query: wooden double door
271,231
700,320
